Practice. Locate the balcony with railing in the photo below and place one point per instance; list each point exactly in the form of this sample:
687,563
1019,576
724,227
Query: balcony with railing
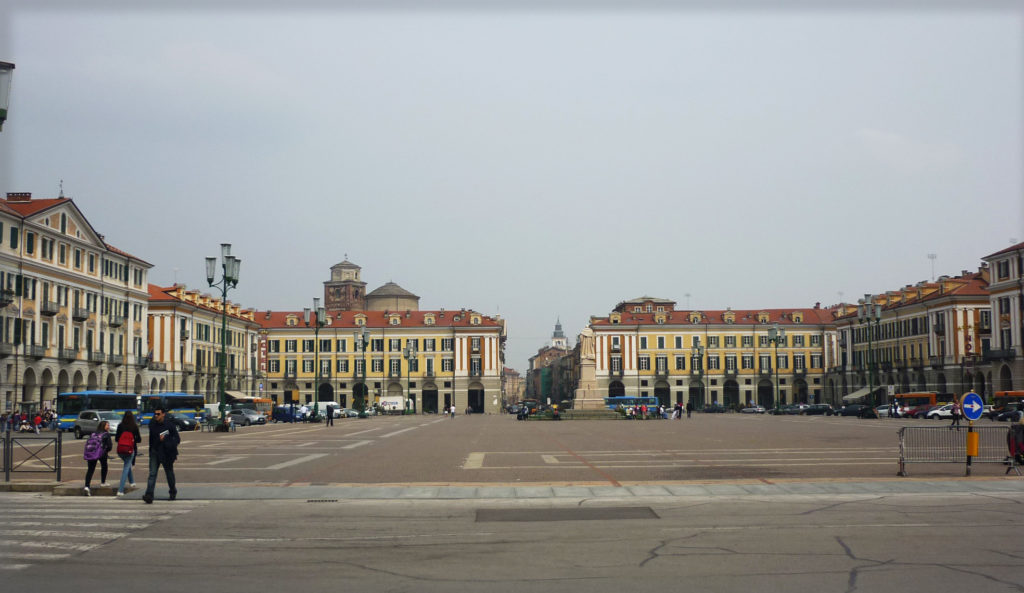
79,314
35,350
49,308
6,349
188,367
97,356
115,321
157,366
142,361
115,359
998,355
68,354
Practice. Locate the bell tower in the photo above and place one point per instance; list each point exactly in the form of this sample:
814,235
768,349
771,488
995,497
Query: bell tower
345,291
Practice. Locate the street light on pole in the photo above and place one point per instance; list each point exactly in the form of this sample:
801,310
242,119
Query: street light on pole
362,337
410,355
319,320
6,74
776,335
229,279
869,311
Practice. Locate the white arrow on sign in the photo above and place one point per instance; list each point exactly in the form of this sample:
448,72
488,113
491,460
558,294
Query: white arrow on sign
972,406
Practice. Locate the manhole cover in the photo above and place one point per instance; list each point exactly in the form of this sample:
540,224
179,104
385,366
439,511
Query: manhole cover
567,514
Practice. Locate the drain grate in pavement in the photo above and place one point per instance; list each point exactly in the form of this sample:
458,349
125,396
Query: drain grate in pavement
323,500
567,514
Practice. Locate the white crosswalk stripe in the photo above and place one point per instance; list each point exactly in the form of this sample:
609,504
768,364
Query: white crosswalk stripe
38,528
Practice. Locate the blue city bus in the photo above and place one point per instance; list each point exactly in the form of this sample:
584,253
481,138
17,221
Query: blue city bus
71,403
627,401
182,404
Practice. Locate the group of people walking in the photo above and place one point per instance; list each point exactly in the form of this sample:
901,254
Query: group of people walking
163,451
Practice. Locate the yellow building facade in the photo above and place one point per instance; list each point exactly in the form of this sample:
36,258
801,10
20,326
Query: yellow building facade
645,347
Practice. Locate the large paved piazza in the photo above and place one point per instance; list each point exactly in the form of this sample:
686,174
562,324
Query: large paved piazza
498,449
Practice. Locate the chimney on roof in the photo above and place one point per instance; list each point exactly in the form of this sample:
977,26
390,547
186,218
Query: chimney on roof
817,305
267,316
19,196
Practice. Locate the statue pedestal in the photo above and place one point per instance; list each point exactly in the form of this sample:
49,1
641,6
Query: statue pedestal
587,396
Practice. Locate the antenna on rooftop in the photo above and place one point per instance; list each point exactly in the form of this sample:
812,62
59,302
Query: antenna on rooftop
61,189
932,257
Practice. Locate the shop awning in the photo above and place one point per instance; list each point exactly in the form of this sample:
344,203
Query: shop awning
860,393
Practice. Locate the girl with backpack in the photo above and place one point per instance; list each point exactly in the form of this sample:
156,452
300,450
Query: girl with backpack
96,449
128,439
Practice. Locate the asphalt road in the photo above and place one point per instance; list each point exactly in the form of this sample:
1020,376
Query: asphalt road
498,449
836,542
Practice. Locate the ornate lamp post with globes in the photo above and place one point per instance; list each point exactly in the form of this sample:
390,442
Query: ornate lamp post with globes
362,338
319,320
229,279
6,74
868,311
776,335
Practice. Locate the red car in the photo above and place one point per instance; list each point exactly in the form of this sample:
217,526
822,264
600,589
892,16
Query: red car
919,411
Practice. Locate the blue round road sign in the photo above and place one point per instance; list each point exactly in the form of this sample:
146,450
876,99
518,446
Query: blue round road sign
972,406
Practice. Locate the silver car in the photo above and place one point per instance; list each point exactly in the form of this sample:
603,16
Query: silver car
89,420
245,417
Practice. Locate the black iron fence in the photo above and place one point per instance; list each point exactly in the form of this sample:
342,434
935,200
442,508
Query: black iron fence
28,453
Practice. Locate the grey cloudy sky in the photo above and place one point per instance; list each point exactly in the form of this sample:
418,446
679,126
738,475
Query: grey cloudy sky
530,162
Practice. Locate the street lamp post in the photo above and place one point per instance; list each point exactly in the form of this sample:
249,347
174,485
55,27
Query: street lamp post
699,367
319,320
362,337
409,354
867,312
229,279
6,74
776,335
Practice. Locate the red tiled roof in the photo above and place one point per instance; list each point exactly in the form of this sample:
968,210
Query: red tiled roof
377,319
124,253
1016,247
811,316
162,294
970,285
35,205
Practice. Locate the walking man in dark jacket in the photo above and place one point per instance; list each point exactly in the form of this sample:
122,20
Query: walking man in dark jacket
163,450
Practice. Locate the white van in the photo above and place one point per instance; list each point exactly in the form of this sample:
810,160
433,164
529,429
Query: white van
322,408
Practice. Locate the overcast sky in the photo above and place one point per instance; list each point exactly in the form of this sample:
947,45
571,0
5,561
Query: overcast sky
533,163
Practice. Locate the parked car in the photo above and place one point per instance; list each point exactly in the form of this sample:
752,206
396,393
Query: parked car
918,411
818,410
883,411
89,420
285,414
940,412
753,410
182,422
349,413
1011,412
245,417
852,410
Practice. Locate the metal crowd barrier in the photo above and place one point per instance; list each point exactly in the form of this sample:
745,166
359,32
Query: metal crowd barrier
45,451
940,444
